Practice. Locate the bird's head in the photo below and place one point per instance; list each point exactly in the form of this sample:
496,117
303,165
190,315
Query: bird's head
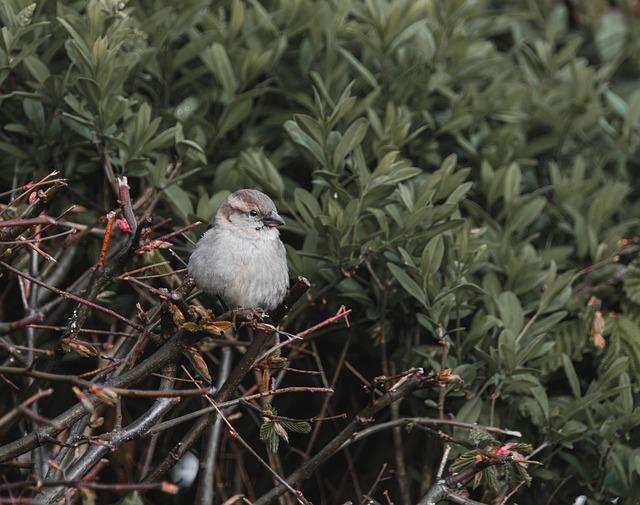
251,213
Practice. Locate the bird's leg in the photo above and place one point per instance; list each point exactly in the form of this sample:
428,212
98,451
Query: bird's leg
219,306
241,316
249,314
259,313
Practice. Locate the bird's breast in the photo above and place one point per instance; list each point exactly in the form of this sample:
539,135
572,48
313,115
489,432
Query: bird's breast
249,273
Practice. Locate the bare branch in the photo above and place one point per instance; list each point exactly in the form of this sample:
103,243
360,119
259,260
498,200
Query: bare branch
231,384
366,415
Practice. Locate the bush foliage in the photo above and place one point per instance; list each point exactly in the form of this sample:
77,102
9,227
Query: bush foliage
459,173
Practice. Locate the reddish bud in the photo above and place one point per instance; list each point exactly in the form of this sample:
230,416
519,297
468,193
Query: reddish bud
597,328
123,224
504,450
86,403
594,301
169,488
625,242
518,456
598,322
83,348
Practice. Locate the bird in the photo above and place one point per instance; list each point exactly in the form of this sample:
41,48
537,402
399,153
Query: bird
241,259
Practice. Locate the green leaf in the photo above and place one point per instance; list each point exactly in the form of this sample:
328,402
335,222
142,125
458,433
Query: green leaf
350,140
162,140
512,183
13,151
269,436
610,34
192,149
507,350
525,214
432,255
260,168
511,312
470,410
541,397
236,112
217,60
619,366
459,193
627,331
546,324
572,377
306,205
296,426
359,67
631,281
180,201
561,284
626,395
409,285
304,140
38,70
80,41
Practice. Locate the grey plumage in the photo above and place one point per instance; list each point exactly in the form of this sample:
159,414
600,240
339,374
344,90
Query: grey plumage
242,259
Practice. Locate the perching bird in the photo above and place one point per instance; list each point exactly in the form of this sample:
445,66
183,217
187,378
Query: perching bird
242,259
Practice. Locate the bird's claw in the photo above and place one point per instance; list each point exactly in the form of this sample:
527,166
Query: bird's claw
249,314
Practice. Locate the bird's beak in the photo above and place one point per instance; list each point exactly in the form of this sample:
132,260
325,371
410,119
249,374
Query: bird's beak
272,219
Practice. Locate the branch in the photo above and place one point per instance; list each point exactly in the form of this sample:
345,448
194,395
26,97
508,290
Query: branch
243,399
96,388
440,491
443,488
231,384
207,470
403,388
169,351
71,296
17,410
105,271
164,486
113,440
428,421
32,211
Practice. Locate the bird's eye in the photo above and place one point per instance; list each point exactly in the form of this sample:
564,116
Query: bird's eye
253,212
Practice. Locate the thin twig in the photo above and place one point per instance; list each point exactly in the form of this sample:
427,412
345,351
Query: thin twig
428,421
235,435
157,242
206,491
75,298
231,384
230,403
164,486
97,389
111,217
113,440
365,416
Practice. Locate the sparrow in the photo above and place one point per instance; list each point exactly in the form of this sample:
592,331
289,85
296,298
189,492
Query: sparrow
241,259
